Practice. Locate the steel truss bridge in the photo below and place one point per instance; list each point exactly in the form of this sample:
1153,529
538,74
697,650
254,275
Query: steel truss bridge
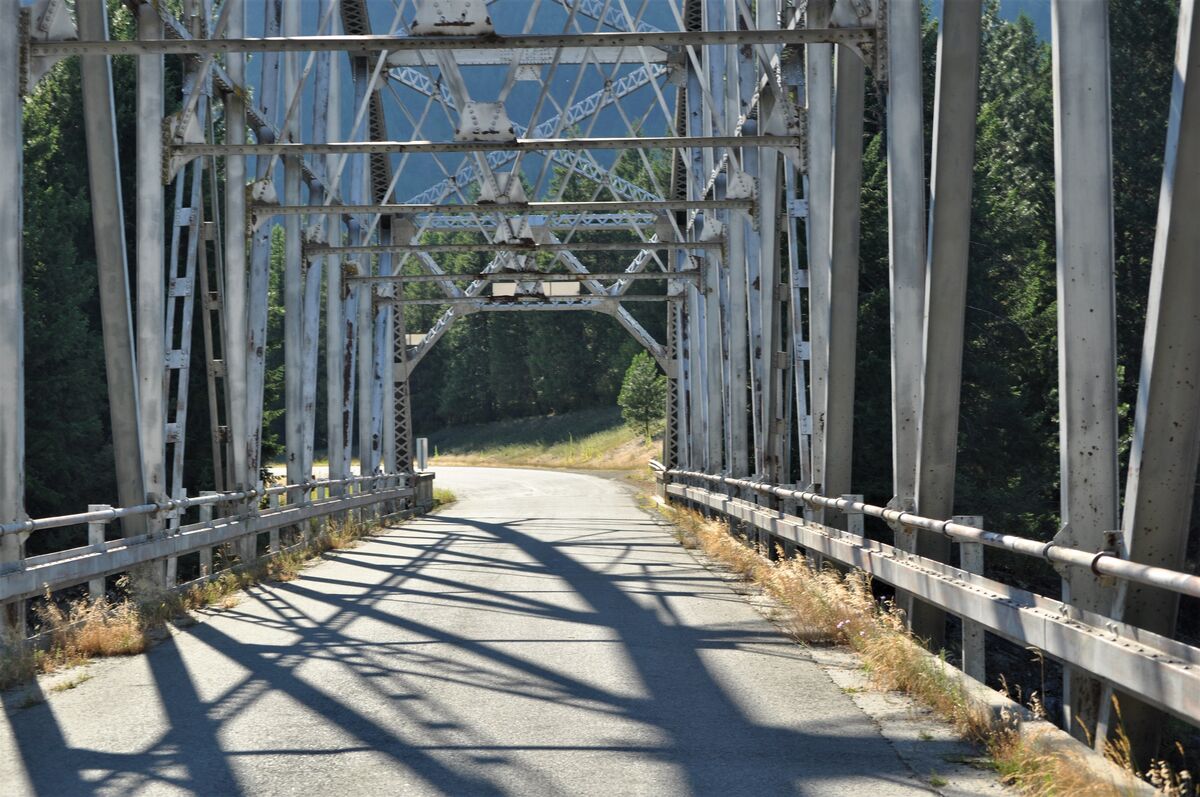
364,139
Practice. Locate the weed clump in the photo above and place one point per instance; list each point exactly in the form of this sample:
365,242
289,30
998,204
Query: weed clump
75,632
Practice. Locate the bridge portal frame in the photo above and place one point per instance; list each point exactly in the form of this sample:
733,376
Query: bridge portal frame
760,346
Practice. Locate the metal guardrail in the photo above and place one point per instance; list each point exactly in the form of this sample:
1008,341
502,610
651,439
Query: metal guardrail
1157,669
1102,563
35,575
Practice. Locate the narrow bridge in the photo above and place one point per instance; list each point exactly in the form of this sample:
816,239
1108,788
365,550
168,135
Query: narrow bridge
545,635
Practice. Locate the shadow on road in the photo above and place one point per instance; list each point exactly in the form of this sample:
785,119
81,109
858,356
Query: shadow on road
396,675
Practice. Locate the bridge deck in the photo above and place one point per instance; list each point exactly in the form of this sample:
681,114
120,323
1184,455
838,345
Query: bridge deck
541,636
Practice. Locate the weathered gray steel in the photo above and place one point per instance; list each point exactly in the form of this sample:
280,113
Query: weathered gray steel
185,151
1087,317
237,298
607,206
12,319
362,45
946,286
293,274
843,272
151,282
108,224
906,226
255,342
1166,433
540,276
819,96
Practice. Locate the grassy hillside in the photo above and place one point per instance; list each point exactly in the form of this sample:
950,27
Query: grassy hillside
582,439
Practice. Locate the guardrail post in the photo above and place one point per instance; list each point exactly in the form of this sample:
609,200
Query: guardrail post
854,519
970,559
273,534
96,540
206,516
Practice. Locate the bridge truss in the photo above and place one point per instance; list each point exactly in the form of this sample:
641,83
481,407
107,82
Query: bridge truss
379,137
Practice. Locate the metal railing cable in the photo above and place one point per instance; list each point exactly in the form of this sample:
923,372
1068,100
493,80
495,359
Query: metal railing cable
1102,563
182,503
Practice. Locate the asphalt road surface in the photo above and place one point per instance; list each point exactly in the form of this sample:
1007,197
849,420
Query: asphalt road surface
543,635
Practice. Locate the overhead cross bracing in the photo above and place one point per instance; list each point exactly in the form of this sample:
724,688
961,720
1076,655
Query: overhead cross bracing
365,133
695,159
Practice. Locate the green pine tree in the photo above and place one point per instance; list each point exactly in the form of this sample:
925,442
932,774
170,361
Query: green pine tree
643,394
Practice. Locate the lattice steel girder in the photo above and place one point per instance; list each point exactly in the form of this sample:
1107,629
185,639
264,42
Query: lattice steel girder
533,57
539,276
508,207
578,246
367,45
520,145
533,302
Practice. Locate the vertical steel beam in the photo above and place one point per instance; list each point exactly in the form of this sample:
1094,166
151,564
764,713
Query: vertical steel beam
906,238
236,312
151,280
108,225
12,319
255,341
843,280
800,350
819,98
945,289
401,426
1166,434
322,110
1087,323
770,189
335,351
723,86
366,367
358,169
293,276
382,388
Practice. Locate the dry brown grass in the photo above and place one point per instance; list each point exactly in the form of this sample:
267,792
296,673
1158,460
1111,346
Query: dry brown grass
76,632
826,606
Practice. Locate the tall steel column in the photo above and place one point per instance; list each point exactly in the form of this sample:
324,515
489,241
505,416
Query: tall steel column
1166,434
401,426
108,225
335,352
322,110
236,310
293,271
723,78
843,281
255,342
768,173
12,320
1087,323
946,289
906,238
382,388
151,279
358,171
366,367
818,69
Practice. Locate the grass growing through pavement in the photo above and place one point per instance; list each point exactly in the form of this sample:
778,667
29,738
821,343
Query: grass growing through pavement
583,439
826,606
